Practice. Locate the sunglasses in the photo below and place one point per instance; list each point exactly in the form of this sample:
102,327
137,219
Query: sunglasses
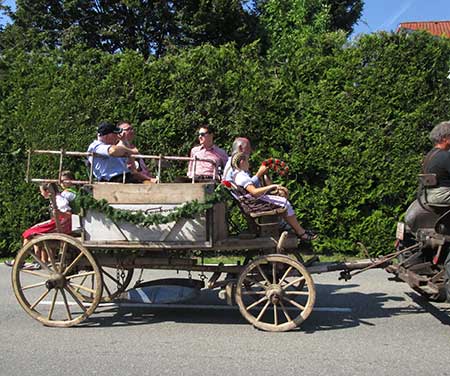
127,129
202,134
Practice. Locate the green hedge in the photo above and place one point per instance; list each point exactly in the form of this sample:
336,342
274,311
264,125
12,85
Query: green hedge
351,121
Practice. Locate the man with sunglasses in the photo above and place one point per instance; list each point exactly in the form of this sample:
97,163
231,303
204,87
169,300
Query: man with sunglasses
205,170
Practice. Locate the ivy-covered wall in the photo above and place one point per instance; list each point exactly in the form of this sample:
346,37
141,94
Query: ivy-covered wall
351,121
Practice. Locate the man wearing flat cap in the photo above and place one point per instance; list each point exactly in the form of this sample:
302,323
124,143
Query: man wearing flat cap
110,157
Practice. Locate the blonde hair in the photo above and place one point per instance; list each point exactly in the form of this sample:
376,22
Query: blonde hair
237,159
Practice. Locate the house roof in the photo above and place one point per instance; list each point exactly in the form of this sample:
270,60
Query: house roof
438,28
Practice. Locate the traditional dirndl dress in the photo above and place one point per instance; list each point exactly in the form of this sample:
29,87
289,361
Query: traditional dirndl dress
65,219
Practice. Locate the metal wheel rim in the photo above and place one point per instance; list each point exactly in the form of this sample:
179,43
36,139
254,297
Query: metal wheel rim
58,281
277,293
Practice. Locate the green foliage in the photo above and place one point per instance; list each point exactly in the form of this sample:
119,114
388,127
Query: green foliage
350,120
149,27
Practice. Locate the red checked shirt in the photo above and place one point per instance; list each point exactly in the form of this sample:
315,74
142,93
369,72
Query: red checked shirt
202,168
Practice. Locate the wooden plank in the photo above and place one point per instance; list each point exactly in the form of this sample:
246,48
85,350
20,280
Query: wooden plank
98,227
231,244
220,221
165,193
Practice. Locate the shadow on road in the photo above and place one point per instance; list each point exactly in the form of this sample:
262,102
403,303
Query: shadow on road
442,314
337,307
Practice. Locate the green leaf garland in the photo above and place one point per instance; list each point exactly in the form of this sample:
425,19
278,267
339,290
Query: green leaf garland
188,210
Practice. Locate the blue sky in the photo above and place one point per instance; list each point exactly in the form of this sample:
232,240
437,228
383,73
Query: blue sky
387,14
11,3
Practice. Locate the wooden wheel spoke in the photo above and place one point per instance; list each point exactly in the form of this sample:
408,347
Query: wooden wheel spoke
74,262
254,304
38,260
84,288
52,306
80,275
286,314
274,272
50,255
34,285
74,295
293,282
83,280
275,314
35,273
77,293
294,303
38,300
286,273
262,274
62,259
305,293
66,304
264,309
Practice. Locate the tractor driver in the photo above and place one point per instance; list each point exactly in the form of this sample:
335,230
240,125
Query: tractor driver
437,162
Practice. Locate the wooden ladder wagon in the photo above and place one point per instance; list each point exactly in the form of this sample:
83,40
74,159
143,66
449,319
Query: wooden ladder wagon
273,287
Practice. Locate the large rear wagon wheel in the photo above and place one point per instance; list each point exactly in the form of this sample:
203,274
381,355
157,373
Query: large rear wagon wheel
275,293
52,295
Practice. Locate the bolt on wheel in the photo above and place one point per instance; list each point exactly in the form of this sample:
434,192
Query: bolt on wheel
275,293
53,294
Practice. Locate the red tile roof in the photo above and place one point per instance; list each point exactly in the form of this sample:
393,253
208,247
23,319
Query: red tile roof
438,28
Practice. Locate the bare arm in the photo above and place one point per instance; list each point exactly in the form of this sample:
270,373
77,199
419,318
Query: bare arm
256,192
120,150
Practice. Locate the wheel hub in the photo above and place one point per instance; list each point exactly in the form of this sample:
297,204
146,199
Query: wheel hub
56,280
274,293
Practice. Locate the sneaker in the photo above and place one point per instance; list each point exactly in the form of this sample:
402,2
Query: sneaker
31,266
9,263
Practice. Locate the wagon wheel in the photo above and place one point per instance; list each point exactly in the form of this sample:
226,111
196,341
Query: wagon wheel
52,295
113,283
284,289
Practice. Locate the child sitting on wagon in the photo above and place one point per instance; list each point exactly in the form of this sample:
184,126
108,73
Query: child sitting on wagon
242,178
63,210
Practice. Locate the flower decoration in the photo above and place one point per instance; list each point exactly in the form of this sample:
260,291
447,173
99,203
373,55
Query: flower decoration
276,165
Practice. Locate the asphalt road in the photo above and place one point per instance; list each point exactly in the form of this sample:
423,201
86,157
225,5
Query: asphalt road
365,326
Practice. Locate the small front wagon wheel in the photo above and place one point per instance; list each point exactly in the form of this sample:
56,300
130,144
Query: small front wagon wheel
52,292
275,293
